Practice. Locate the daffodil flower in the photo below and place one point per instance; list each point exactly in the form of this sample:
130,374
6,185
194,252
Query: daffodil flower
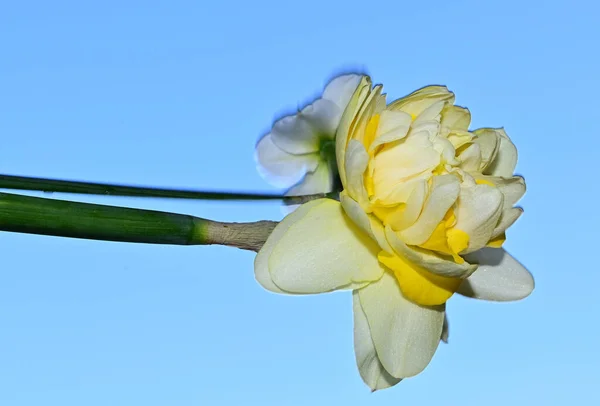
422,216
299,152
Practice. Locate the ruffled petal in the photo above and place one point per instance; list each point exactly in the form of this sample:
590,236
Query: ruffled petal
443,193
416,102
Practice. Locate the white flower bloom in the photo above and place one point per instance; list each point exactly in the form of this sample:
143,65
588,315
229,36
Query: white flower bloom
299,152
423,215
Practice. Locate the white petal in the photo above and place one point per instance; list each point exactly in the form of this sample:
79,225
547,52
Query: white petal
294,135
280,168
341,89
323,117
477,213
427,259
357,160
443,193
323,251
405,335
500,277
319,181
505,160
366,222
369,366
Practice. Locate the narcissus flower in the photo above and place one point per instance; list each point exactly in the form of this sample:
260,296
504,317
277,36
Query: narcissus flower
423,215
300,149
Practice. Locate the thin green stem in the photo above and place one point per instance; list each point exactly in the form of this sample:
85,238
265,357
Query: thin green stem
92,188
107,189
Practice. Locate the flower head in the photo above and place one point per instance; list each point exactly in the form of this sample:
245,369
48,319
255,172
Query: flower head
300,149
423,215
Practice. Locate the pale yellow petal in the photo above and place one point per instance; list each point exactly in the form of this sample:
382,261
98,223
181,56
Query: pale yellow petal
261,262
505,161
416,102
477,214
393,126
405,335
488,141
357,160
368,223
346,122
470,158
323,251
432,113
455,118
395,164
369,366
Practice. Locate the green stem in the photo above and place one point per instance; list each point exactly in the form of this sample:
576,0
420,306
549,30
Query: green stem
91,188
34,215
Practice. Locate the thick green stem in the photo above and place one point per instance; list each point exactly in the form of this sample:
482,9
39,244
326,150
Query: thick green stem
34,215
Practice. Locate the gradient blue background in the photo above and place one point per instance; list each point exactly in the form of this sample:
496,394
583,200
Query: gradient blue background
176,94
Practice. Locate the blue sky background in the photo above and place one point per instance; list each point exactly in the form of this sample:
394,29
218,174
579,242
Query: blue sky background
176,94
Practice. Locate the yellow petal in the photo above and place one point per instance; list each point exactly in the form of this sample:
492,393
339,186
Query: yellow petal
417,284
444,266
